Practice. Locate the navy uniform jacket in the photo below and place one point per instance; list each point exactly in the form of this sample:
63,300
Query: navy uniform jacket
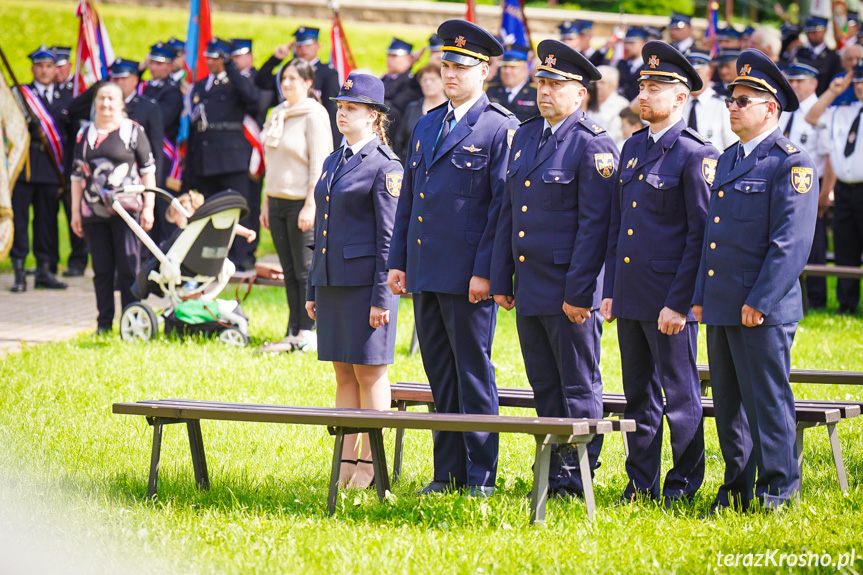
167,94
266,98
222,149
657,223
325,85
759,233
628,79
523,104
41,168
147,113
828,63
356,208
553,225
447,215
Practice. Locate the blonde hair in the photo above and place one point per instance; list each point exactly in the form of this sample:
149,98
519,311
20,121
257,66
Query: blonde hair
382,122
190,202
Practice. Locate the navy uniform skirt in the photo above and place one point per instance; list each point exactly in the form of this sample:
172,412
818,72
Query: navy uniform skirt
344,333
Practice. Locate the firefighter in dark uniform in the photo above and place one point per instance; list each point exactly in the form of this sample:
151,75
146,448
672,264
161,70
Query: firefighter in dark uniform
654,246
516,91
551,235
760,224
243,253
326,82
630,66
40,184
218,153
166,93
178,66
400,86
441,250
826,61
63,75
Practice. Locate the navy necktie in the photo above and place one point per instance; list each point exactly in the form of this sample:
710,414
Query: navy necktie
444,130
345,157
546,134
740,156
852,135
693,116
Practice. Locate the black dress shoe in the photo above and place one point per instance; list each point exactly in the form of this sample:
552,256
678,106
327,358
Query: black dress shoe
20,283
479,491
73,272
435,487
46,280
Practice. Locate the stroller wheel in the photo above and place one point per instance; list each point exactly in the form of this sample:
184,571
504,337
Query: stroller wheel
138,323
233,336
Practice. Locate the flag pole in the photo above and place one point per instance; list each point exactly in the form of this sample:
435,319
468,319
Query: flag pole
526,27
346,46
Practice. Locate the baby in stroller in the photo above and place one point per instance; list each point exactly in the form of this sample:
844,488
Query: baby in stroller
191,201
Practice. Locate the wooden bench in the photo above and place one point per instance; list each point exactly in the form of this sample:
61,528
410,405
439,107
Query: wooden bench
341,422
809,414
820,270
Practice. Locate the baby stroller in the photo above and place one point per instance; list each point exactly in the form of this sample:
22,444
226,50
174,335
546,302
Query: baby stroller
192,266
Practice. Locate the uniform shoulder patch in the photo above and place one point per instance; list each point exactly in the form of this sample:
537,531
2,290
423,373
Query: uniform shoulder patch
708,170
394,184
696,136
802,179
604,163
502,110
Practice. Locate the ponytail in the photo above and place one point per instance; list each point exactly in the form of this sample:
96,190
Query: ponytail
382,123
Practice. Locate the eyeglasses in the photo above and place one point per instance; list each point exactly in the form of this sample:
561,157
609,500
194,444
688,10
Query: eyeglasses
744,101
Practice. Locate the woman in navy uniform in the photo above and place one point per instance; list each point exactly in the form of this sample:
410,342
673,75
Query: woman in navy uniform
760,225
347,291
552,233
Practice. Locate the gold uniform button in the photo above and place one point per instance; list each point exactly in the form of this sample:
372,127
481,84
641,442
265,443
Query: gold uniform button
422,196
325,232
747,188
323,251
326,216
328,198
640,176
716,220
629,232
556,178
521,258
527,183
660,184
710,273
626,260
524,208
420,218
521,234
621,180
712,245
634,204
468,165
419,241
721,194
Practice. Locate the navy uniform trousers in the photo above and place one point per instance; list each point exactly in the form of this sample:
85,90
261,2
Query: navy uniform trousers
653,363
848,240
749,370
560,357
456,337
45,202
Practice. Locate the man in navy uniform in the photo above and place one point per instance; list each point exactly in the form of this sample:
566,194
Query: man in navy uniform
178,66
39,183
552,233
680,31
442,245
630,66
166,93
760,224
825,60
325,84
516,91
400,84
218,153
654,246
704,110
63,70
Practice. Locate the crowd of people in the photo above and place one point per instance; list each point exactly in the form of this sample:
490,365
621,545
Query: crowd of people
658,187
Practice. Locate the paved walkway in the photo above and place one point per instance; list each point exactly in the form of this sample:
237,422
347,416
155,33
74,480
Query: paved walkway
41,316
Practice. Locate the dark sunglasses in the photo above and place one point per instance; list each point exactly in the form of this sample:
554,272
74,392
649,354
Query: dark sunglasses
743,101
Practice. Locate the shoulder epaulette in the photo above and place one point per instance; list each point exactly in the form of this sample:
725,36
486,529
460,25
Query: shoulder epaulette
641,130
729,147
786,146
387,151
531,119
696,136
591,126
438,107
501,109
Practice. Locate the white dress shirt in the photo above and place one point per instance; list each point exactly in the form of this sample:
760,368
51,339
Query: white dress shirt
809,138
714,121
838,121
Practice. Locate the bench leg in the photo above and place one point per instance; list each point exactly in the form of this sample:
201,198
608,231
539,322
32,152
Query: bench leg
586,479
539,495
154,458
800,430
334,472
837,456
199,461
379,460
400,446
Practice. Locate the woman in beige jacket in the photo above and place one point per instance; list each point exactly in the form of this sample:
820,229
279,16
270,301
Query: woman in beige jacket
297,138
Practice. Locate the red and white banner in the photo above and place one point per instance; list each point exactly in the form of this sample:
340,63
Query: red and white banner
94,53
253,134
46,120
341,59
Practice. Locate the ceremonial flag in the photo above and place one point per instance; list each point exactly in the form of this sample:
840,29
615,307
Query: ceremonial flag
712,24
198,35
94,54
513,25
341,59
470,16
252,132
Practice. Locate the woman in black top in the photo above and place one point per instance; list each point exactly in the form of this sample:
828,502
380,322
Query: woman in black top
111,152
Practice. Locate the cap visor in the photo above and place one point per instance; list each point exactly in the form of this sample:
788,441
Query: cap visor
552,76
460,59
359,100
305,41
159,58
